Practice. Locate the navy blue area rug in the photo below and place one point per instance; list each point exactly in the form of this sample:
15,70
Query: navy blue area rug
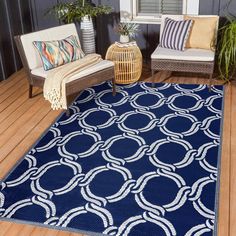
145,162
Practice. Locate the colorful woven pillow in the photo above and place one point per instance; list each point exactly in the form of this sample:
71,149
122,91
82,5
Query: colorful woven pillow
175,34
59,52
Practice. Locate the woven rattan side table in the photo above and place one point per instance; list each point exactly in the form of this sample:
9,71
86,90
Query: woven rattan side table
128,61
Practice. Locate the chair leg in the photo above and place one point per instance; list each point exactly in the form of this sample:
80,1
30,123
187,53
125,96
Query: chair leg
30,91
210,82
68,112
153,79
69,101
113,87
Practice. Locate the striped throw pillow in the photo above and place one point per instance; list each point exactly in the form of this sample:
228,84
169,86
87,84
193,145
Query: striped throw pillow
175,34
59,52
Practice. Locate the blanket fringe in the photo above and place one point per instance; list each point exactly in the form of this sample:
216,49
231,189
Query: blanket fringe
55,83
54,97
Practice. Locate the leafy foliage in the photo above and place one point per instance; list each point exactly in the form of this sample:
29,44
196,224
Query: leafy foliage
75,11
227,50
127,28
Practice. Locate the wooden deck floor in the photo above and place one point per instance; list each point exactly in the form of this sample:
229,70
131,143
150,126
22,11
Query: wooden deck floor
23,120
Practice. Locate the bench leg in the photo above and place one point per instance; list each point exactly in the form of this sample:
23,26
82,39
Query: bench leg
210,84
68,112
30,91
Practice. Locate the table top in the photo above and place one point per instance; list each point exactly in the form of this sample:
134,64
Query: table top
124,45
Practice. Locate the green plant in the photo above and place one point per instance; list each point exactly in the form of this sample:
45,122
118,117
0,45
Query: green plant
75,11
227,50
127,28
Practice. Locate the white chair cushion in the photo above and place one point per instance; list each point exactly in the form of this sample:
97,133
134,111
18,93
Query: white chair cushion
55,33
104,64
190,54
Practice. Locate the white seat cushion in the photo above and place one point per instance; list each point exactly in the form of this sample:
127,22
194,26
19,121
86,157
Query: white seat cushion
104,64
190,54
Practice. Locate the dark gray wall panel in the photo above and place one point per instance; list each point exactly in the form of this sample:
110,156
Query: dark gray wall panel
26,15
207,7
218,7
2,69
231,7
16,27
141,38
105,25
15,19
152,38
6,41
41,19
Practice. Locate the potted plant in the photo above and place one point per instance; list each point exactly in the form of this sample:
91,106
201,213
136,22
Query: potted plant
81,11
127,31
227,50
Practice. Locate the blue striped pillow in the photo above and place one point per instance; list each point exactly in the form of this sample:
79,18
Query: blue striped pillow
175,34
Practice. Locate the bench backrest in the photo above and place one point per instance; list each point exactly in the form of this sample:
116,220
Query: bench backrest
55,33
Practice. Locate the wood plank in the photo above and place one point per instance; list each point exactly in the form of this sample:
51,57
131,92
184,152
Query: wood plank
16,112
233,164
19,105
64,233
12,80
75,234
223,221
26,230
4,226
51,232
6,134
21,148
13,136
13,230
21,85
14,97
39,231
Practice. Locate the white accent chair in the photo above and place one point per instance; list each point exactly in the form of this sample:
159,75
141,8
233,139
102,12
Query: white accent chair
190,60
32,63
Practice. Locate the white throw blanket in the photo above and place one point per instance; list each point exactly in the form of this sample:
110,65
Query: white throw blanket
55,84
